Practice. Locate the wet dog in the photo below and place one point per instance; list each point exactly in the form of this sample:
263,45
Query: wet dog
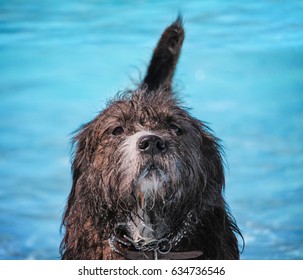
148,177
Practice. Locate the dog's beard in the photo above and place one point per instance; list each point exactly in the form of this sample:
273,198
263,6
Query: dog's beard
152,184
155,186
146,222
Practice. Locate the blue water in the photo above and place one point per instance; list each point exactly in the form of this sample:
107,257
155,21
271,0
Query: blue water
241,70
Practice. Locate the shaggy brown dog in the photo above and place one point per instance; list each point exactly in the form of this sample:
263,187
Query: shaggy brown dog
148,177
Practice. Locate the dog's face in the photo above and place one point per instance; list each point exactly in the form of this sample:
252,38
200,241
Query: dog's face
149,144
152,158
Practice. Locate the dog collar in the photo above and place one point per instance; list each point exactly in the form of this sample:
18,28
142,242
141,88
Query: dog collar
156,255
160,250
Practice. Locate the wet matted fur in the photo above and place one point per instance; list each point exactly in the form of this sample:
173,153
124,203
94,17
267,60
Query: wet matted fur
148,177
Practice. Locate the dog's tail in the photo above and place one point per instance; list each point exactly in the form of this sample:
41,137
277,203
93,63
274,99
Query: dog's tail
165,57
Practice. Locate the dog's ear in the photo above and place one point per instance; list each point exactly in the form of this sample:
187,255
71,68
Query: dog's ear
82,237
165,57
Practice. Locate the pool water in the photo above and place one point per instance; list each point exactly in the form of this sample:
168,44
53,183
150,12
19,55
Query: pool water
241,71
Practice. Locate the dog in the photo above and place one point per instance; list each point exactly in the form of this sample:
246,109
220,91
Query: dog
148,177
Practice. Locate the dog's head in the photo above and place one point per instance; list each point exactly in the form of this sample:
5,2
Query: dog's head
145,156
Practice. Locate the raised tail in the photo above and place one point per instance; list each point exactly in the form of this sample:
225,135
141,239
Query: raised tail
165,57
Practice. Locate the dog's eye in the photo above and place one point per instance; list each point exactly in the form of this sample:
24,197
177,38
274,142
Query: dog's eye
177,130
118,130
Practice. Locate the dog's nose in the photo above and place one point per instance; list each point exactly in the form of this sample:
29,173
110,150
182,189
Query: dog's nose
151,144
